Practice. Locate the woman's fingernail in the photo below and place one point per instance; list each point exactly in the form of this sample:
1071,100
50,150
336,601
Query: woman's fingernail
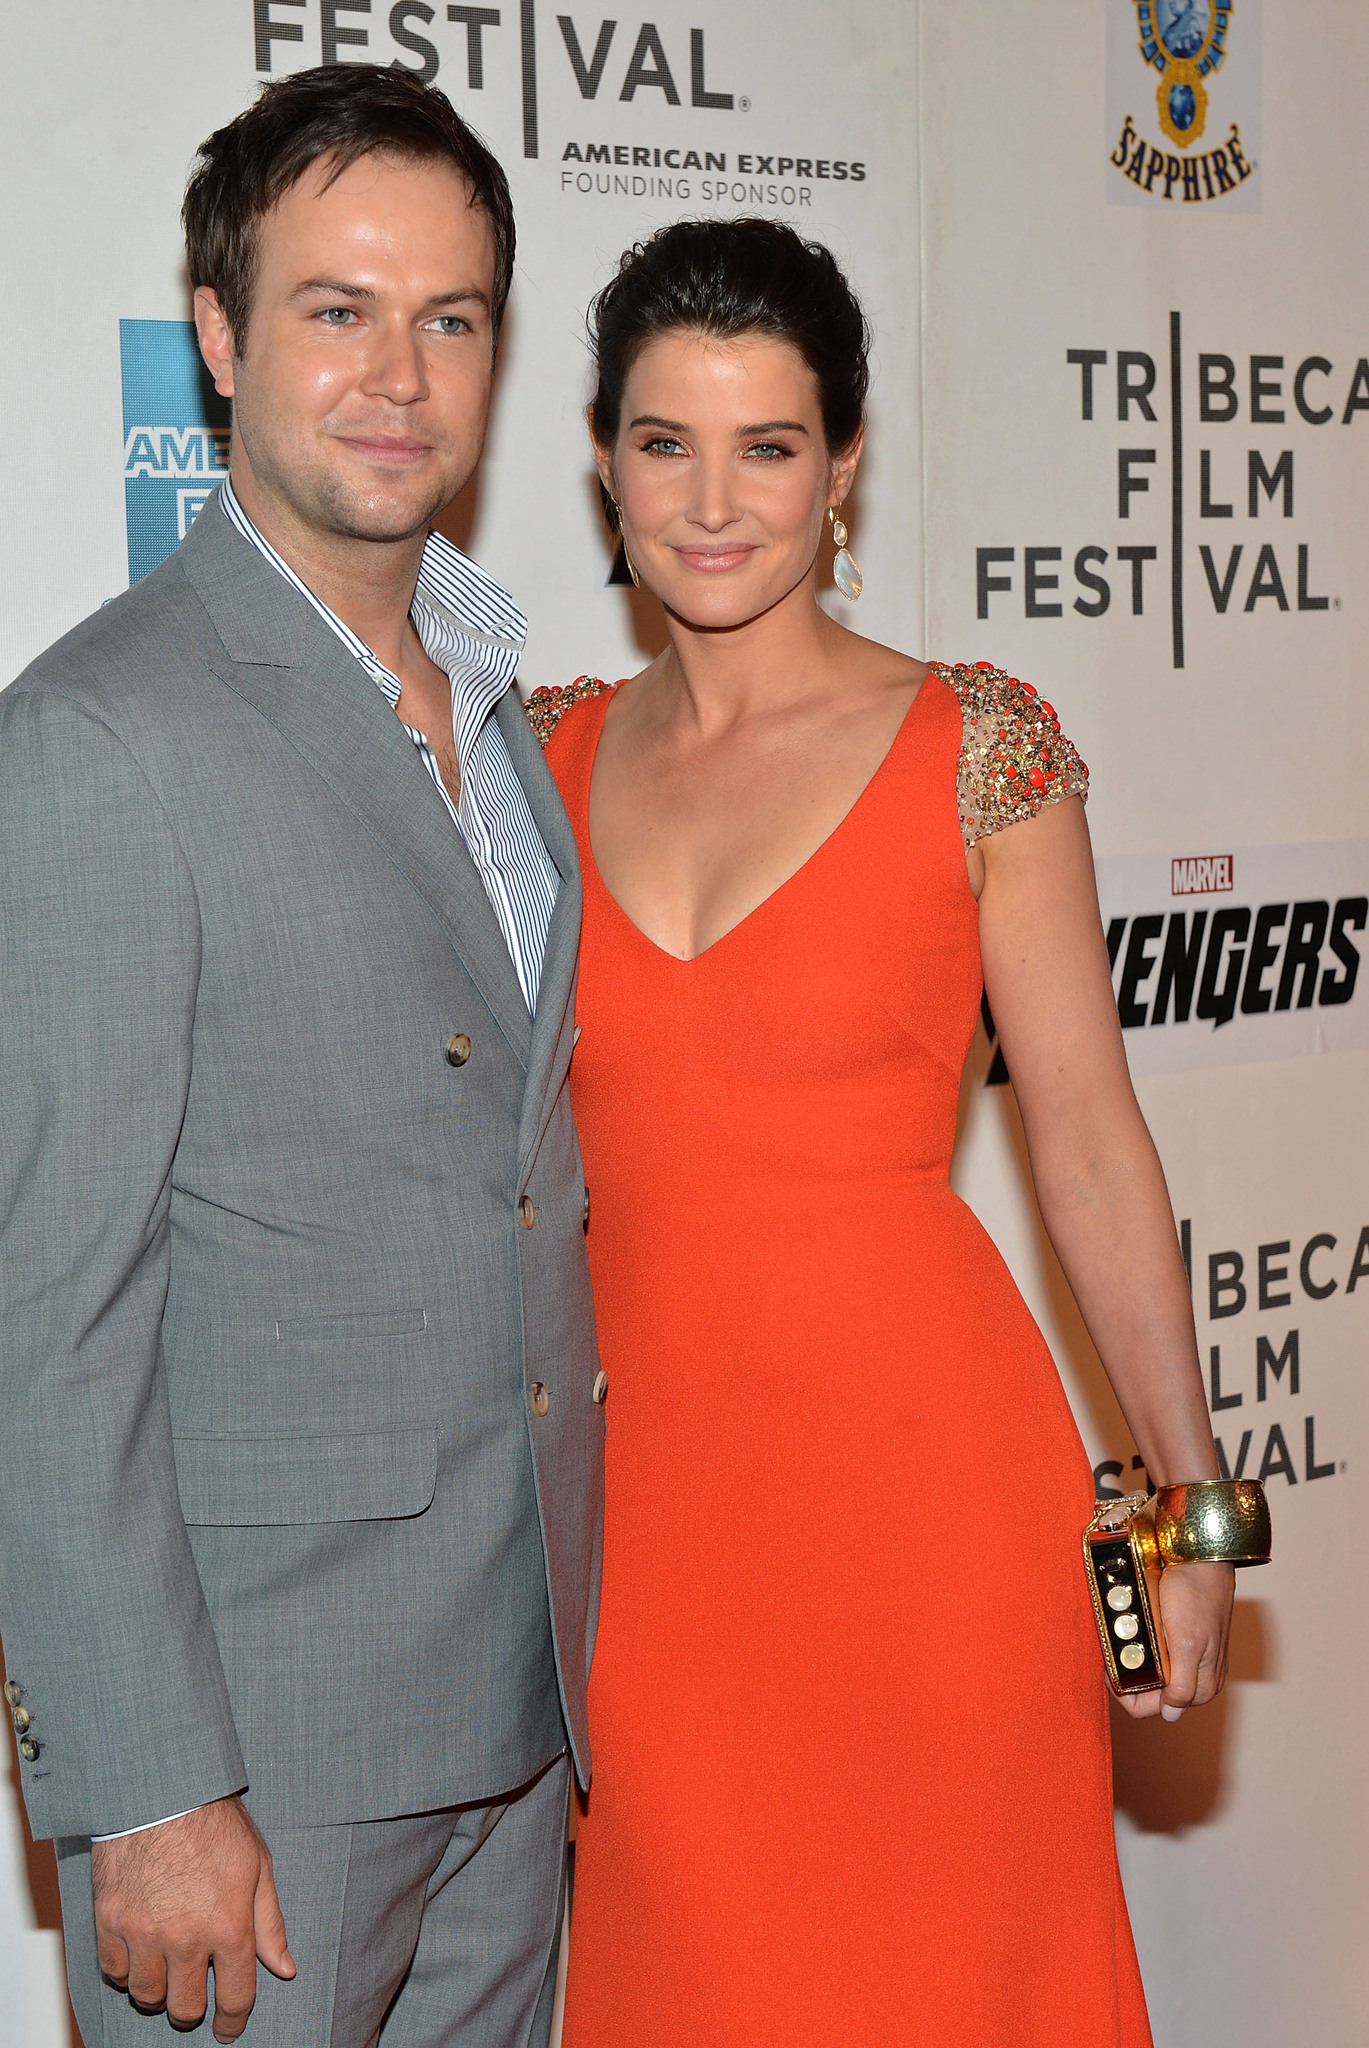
1171,1713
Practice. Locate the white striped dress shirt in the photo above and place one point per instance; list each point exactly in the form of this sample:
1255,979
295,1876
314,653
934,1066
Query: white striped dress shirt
475,631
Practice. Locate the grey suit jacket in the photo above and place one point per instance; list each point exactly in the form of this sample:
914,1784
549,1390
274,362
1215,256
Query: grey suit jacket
277,1506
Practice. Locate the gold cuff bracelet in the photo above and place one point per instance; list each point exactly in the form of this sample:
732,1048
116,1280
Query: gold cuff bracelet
1213,1521
1129,1542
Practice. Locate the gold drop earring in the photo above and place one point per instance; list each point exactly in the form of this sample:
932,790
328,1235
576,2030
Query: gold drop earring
622,542
845,574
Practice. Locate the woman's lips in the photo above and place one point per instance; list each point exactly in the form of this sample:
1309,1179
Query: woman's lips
714,561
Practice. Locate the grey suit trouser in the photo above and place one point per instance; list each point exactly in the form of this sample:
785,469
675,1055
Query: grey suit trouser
437,1930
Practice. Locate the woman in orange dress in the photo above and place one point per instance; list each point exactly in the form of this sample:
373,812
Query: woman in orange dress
852,1779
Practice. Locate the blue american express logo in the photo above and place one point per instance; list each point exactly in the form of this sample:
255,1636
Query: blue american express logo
175,437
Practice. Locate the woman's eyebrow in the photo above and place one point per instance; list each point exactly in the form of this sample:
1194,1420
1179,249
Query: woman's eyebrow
651,419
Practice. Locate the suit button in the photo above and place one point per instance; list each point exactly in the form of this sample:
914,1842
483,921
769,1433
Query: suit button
601,1386
585,1216
458,1049
527,1211
28,1750
22,1720
540,1398
12,1692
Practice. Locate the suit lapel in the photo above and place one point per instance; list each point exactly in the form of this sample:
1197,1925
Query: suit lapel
284,660
553,1025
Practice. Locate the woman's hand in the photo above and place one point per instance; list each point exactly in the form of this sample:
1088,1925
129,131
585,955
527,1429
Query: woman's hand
1195,1614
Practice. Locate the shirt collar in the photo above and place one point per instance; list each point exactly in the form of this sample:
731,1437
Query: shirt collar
468,625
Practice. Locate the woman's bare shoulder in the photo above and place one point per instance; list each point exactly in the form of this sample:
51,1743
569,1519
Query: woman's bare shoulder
881,667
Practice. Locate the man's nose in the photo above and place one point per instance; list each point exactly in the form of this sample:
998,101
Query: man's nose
395,367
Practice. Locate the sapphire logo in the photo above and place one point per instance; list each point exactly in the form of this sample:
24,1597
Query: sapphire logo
1200,59
175,437
1185,41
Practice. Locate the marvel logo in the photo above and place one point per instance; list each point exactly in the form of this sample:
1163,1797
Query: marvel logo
1201,874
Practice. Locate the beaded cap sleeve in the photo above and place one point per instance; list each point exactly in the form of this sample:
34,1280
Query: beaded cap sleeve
1014,759
547,706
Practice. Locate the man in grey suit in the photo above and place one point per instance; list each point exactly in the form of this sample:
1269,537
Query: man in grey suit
302,1436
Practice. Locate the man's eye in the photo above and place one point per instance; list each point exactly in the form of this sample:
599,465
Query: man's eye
336,316
450,323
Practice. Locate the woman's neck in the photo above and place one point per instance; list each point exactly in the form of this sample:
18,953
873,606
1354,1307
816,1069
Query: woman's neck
715,678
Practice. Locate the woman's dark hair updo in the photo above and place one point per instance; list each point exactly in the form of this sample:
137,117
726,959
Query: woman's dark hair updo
727,278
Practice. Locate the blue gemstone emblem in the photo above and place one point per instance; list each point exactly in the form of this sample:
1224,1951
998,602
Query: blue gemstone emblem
1182,107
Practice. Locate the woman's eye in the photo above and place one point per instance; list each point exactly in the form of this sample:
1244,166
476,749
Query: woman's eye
663,444
769,451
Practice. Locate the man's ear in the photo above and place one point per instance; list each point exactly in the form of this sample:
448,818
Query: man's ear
216,339
844,468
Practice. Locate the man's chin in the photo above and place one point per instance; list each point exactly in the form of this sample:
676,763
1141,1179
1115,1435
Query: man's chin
384,516
385,522
384,532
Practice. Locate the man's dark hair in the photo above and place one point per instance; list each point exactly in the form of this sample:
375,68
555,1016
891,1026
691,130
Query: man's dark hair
334,114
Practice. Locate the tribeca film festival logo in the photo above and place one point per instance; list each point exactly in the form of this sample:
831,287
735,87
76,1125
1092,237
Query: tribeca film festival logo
1238,399
1255,1378
1302,1271
610,64
1193,66
175,437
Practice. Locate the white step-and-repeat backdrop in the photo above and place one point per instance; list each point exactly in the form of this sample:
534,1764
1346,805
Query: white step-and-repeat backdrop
1113,256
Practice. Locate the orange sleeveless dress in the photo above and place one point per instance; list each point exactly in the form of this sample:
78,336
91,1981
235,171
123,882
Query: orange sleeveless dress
852,1782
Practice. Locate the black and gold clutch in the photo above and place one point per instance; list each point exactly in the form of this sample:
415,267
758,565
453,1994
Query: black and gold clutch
1130,1541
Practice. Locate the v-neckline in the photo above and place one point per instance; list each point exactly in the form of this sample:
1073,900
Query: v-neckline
591,866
